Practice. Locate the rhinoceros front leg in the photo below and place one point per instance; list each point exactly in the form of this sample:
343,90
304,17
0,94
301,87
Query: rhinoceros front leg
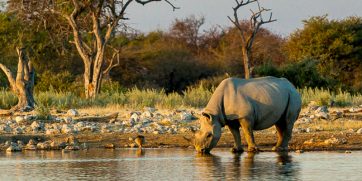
248,133
234,129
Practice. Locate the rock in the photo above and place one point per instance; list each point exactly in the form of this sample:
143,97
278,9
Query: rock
359,131
305,120
7,143
311,141
150,109
68,120
20,119
66,129
13,148
36,126
44,146
339,114
52,131
30,147
56,146
110,146
354,110
135,117
5,128
80,124
18,130
72,140
156,132
308,130
31,142
299,151
322,115
106,129
147,114
72,112
112,121
321,109
29,117
72,148
335,141
186,116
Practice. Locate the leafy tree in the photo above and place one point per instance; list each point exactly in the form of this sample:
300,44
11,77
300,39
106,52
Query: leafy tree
336,44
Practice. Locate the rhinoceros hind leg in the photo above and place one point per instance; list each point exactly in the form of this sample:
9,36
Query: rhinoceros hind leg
234,129
284,129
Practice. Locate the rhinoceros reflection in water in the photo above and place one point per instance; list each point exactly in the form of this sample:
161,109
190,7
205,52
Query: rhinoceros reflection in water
252,104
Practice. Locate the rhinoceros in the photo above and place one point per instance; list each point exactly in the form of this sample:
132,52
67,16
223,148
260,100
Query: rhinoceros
253,104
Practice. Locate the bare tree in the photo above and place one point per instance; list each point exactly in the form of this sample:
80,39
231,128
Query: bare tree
247,38
23,84
105,16
188,31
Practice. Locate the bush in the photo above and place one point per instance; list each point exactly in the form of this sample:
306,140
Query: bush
63,81
7,99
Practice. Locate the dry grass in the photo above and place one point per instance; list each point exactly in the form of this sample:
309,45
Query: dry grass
195,97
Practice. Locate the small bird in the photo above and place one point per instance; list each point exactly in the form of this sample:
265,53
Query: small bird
140,140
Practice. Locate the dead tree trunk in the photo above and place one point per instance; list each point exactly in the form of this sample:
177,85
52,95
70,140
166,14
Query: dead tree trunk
248,34
23,84
104,16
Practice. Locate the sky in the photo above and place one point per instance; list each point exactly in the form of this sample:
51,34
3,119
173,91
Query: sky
289,13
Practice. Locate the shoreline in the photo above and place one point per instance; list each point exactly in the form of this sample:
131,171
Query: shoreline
300,141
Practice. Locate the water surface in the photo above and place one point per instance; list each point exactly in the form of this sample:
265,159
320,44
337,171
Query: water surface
178,164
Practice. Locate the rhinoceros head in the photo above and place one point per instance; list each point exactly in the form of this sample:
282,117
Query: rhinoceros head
208,135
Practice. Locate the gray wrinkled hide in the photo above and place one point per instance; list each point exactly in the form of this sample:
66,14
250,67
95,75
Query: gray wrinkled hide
261,100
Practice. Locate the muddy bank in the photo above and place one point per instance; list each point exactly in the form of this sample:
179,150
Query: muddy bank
326,141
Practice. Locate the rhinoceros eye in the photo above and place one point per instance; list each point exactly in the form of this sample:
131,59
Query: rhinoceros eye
209,135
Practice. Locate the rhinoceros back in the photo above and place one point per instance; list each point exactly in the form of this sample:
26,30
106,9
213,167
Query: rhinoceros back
263,100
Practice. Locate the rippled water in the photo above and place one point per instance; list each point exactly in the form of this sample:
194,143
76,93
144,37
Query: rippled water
178,164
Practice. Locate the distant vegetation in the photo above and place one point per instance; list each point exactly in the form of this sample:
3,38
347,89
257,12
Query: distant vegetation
167,67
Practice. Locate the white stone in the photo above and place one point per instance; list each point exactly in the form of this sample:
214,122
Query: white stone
71,148
354,110
322,115
150,109
186,116
308,130
322,109
43,146
20,119
52,131
35,125
359,131
68,120
80,124
135,117
66,129
72,112
147,114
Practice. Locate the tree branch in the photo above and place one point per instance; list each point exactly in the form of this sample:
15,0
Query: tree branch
9,75
111,65
148,1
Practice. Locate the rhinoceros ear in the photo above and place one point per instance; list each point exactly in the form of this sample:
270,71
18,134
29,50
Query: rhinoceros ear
208,116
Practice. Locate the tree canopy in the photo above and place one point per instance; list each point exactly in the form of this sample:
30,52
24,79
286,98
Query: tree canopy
336,44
